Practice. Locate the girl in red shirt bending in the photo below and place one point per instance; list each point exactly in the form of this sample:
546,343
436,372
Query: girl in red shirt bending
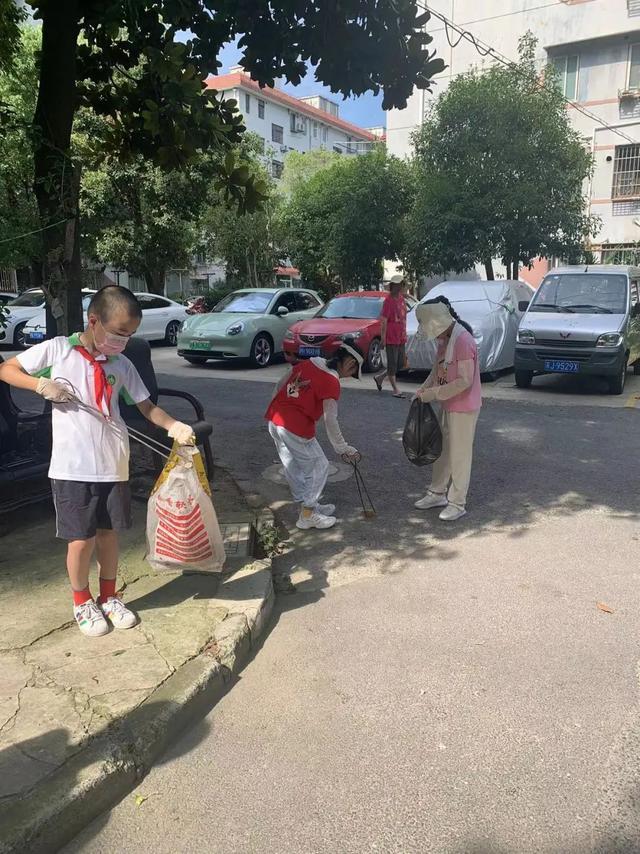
311,390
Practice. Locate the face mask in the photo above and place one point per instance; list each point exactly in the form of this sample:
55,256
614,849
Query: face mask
112,344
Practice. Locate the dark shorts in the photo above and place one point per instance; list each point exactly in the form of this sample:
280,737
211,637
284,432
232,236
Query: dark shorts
83,508
395,358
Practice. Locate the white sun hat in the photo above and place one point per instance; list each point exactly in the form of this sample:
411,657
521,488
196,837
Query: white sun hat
434,318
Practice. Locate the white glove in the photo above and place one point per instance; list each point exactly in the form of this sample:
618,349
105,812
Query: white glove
182,433
54,391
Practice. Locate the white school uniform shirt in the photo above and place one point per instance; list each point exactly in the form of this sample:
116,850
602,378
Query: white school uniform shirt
86,447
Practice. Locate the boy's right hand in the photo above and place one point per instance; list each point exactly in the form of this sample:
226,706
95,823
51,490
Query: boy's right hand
54,391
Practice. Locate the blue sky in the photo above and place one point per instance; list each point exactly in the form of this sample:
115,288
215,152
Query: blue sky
365,111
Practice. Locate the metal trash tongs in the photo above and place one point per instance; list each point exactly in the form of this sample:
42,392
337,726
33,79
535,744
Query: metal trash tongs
142,438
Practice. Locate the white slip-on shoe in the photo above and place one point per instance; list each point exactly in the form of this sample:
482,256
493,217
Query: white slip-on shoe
326,509
431,500
90,619
118,614
452,513
315,520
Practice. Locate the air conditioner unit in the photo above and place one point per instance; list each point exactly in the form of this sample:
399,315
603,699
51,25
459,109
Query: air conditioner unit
284,149
298,125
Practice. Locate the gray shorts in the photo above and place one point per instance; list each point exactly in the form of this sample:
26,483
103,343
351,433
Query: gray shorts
83,508
395,358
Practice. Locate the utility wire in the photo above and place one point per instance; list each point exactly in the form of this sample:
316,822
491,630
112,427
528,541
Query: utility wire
485,49
37,231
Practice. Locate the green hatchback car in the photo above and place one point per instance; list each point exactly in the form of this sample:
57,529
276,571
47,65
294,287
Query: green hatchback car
246,324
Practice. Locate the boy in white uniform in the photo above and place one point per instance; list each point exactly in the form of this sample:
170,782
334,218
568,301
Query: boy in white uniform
89,468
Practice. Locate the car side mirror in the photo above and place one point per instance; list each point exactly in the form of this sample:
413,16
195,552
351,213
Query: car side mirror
523,305
283,310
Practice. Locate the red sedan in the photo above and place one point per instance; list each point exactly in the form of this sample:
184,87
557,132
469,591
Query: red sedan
353,315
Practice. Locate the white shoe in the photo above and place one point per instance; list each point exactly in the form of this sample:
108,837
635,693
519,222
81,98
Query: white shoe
326,509
118,614
90,619
431,499
452,513
316,520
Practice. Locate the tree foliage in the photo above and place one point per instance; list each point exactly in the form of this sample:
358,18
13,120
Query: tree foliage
299,167
341,224
499,173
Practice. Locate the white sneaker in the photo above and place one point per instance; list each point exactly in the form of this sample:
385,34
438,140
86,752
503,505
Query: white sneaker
316,520
90,619
431,499
452,513
326,509
118,614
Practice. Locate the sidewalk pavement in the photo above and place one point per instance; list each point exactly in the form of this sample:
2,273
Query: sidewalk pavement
81,719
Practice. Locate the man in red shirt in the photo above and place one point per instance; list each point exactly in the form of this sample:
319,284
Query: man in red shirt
394,333
308,392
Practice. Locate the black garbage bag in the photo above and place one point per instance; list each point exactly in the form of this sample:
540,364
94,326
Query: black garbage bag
422,437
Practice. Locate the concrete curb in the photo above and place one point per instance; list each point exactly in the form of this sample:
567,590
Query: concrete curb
111,765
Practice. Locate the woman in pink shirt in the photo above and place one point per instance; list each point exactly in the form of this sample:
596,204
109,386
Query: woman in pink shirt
454,383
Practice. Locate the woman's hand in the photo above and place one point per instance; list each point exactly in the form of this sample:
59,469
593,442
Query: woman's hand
426,395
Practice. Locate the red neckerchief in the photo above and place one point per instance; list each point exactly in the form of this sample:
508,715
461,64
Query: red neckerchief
102,389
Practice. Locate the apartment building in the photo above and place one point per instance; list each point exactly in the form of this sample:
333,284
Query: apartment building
285,123
595,45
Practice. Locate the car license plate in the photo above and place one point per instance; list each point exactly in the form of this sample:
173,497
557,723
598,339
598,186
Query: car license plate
560,366
36,336
308,352
199,345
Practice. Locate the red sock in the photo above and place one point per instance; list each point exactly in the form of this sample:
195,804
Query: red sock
107,588
81,596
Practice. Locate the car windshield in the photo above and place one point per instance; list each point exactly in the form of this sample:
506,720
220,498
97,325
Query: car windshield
366,308
586,293
245,302
31,299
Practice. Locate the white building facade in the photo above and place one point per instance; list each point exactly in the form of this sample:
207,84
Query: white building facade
595,45
288,124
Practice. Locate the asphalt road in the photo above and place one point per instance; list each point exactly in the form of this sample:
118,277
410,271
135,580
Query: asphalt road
427,688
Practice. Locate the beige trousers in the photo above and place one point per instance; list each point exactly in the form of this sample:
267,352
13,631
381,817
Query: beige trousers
452,471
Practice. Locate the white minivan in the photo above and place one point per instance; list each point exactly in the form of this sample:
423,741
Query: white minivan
582,320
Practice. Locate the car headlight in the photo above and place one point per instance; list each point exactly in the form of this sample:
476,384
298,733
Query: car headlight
236,328
609,339
525,336
347,335
289,336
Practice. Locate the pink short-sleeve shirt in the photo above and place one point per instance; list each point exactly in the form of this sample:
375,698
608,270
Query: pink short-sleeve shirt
465,349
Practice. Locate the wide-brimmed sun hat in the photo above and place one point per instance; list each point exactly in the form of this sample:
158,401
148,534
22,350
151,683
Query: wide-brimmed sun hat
434,318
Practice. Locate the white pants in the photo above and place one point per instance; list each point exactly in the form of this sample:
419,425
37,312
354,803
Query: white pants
305,465
452,471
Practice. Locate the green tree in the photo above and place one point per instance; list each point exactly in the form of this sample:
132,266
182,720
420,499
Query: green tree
141,65
299,167
499,173
341,224
18,210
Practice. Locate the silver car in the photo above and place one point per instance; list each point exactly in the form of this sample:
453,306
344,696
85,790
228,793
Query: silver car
492,309
582,320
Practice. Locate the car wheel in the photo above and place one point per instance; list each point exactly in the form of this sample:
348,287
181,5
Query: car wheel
261,351
195,360
18,336
374,357
617,383
524,379
171,333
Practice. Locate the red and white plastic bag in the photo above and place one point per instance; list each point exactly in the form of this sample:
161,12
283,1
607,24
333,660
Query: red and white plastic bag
182,526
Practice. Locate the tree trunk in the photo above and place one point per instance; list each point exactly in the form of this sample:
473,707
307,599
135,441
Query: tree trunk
155,280
56,177
488,267
516,269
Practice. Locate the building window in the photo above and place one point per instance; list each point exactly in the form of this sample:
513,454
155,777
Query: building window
298,123
626,172
277,167
247,104
567,70
634,67
260,109
277,133
315,130
325,133
633,8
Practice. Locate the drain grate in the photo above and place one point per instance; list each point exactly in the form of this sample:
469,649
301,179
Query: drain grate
237,538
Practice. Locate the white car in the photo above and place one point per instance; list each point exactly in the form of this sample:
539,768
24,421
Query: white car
7,296
18,313
161,320
491,309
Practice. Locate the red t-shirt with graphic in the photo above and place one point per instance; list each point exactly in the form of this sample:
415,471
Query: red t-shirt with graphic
299,403
395,310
